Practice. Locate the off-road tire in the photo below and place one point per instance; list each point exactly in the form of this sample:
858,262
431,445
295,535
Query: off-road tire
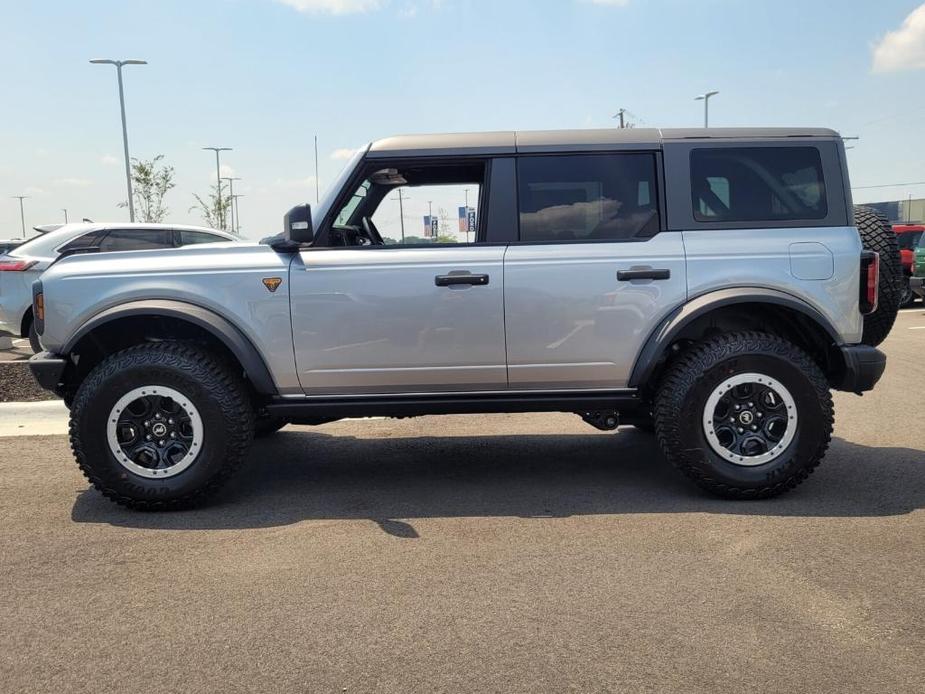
684,392
877,235
218,394
34,339
268,425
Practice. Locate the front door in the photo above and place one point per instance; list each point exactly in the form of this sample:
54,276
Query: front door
404,298
591,275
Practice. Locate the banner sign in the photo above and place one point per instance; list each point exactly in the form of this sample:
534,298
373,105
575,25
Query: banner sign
431,226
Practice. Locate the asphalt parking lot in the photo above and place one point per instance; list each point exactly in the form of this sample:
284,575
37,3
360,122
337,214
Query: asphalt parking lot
479,553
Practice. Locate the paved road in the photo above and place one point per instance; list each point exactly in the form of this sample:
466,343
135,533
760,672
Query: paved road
506,553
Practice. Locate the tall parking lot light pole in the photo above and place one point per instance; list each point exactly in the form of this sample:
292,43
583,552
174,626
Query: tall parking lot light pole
237,211
128,166
218,182
22,214
231,180
705,98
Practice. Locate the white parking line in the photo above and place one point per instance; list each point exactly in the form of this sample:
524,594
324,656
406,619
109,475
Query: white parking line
918,327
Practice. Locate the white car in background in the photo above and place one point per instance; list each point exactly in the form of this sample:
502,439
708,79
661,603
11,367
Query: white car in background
21,266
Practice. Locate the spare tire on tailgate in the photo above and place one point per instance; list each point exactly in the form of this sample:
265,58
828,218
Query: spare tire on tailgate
877,235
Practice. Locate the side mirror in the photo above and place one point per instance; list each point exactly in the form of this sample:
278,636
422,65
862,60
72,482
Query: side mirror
297,224
297,230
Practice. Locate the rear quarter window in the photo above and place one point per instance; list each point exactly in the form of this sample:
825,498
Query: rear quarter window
755,184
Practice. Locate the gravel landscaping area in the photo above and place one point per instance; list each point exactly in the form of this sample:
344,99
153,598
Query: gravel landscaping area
18,385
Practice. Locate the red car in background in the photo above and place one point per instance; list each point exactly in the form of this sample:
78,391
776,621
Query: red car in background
908,236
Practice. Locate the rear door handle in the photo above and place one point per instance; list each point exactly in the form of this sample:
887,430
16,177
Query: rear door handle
460,278
648,274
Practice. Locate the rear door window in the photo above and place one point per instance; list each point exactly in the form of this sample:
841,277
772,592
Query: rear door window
136,240
754,184
189,238
590,197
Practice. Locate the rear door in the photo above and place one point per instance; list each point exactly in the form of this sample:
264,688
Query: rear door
592,273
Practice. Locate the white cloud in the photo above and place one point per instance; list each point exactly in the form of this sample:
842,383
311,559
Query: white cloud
74,182
342,154
333,6
903,49
227,172
34,190
109,160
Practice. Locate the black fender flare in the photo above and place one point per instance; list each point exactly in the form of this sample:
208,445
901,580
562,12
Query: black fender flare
668,330
218,326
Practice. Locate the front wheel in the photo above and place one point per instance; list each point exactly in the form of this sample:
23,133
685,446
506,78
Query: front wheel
160,426
744,415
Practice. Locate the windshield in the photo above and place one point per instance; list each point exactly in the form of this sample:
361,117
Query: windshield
327,200
347,210
909,239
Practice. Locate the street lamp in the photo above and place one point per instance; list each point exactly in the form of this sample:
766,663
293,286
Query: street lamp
128,168
22,215
237,212
64,210
218,182
231,180
705,98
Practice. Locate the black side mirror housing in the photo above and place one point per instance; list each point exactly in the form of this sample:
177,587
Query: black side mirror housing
297,230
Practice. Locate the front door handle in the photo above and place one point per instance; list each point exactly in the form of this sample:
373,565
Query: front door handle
460,278
647,274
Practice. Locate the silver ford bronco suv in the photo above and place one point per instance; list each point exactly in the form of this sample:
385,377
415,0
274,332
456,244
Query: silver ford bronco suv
712,286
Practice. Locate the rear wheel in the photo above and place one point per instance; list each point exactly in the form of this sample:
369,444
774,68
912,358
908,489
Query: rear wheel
160,426
745,415
877,235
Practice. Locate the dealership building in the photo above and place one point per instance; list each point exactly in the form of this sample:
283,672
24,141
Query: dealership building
902,211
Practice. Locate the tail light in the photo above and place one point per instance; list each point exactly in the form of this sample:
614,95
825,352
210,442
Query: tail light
38,307
870,282
13,265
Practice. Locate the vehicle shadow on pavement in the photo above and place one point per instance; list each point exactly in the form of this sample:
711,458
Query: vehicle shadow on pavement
310,475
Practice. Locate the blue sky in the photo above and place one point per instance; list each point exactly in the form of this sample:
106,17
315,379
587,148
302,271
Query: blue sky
264,76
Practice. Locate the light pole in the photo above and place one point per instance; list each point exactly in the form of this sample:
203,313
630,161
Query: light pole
64,210
22,215
237,212
317,184
231,180
401,213
218,183
430,218
128,167
705,98
620,115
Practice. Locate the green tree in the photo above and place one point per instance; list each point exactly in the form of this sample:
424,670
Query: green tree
215,209
151,180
